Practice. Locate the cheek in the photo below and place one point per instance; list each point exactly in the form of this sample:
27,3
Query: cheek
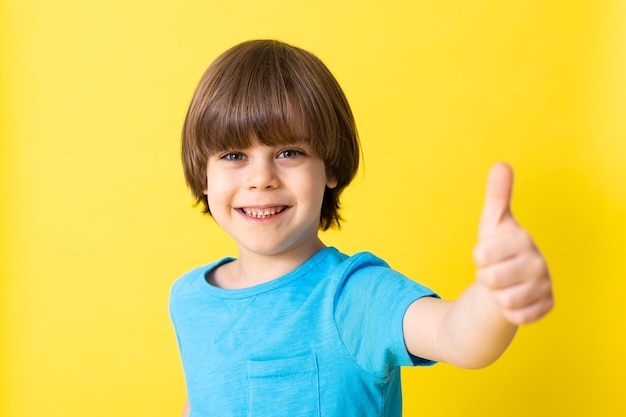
218,206
315,192
216,192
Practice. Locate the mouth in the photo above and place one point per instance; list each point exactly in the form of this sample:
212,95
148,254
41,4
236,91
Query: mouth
262,213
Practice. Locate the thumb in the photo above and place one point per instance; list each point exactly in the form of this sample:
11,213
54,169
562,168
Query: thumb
497,199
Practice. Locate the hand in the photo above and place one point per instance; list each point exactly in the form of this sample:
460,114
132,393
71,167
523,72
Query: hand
509,264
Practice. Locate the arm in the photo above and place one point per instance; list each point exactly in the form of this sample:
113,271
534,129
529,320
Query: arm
513,287
186,409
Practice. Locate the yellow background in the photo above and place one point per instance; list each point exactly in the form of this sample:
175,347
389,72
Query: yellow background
96,222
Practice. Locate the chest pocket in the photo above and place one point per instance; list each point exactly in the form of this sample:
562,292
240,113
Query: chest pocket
284,387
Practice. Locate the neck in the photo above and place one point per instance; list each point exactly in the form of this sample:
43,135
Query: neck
253,268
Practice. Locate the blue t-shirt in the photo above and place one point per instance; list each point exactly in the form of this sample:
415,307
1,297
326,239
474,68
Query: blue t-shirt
324,340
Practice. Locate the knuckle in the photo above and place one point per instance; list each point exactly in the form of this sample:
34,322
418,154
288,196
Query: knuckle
481,275
477,255
530,314
507,300
521,316
539,267
489,277
549,301
528,240
493,277
481,255
514,317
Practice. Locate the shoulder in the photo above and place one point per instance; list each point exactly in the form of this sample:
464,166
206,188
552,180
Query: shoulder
364,278
364,260
195,278
338,269
360,263
367,269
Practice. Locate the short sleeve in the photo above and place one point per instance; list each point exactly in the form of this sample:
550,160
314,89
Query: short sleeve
369,310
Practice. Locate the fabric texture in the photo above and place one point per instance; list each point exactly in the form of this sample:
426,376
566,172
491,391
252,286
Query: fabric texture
323,340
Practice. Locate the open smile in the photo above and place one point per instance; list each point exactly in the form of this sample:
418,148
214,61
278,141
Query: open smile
262,213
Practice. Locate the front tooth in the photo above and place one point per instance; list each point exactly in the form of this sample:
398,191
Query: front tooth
260,214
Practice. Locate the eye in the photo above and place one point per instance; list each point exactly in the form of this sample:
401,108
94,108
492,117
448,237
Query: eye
290,153
233,156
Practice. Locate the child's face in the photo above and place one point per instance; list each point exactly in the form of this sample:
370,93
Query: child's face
268,198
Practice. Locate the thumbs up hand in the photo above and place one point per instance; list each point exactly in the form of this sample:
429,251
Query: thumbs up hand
509,264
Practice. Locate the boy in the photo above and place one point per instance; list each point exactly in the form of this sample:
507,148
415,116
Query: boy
292,327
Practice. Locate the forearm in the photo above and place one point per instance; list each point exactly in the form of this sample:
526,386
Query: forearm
474,333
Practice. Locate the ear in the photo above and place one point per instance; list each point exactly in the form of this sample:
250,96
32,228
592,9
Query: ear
331,182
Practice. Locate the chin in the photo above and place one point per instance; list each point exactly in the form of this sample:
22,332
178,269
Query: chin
265,249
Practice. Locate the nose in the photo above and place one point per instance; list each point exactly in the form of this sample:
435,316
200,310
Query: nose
262,175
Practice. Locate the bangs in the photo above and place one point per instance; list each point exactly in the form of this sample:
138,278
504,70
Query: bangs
264,115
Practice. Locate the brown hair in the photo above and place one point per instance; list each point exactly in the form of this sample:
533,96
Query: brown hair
275,93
